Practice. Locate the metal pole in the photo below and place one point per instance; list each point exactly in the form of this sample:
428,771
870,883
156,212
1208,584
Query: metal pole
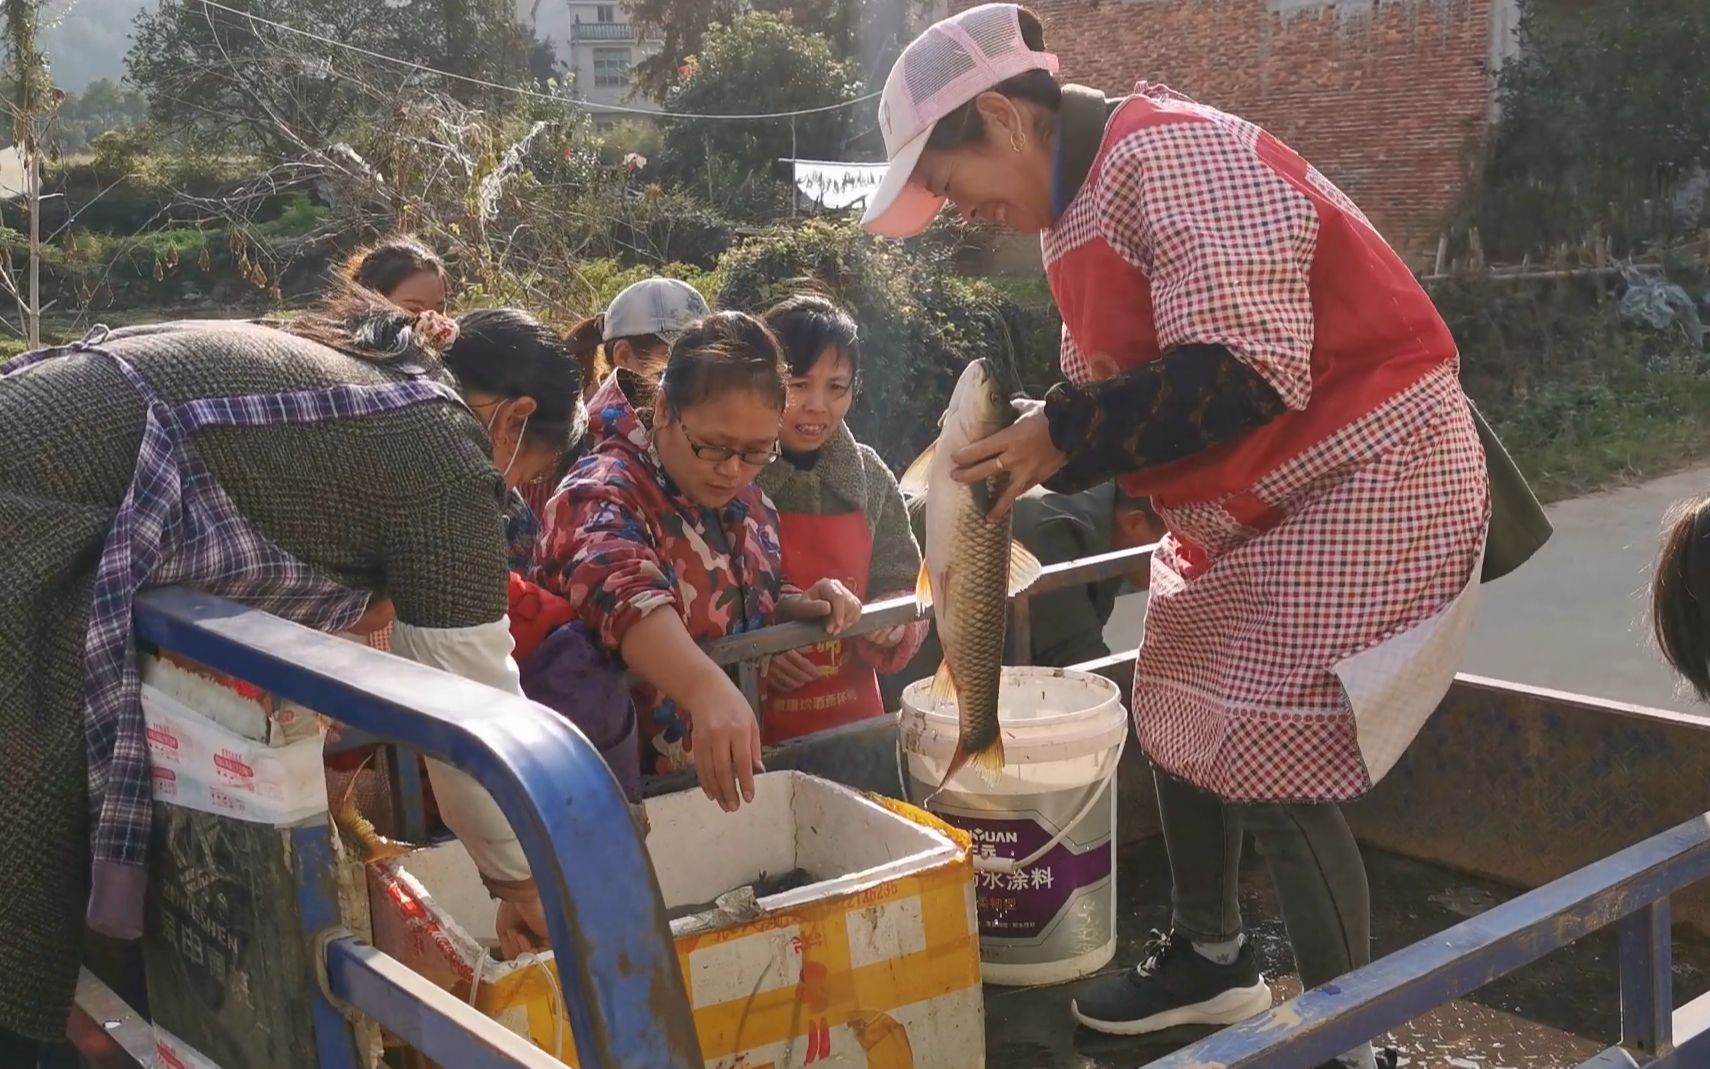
33,157
1647,983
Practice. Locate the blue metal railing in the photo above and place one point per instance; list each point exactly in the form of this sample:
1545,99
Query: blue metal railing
624,993
1630,889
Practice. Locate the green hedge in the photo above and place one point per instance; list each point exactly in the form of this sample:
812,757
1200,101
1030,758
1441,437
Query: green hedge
920,323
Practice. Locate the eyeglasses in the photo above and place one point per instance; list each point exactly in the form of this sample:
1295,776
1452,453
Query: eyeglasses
718,454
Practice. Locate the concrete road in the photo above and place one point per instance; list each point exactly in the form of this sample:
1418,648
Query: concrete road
1574,617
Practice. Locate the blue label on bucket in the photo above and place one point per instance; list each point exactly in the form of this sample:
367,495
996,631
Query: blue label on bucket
1022,905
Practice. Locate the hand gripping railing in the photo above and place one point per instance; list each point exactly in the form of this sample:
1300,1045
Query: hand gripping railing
749,649
624,993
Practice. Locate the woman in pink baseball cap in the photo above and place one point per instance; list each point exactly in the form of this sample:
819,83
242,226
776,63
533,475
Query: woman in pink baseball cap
1243,348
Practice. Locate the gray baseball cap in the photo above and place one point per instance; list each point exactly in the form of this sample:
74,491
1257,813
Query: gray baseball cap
662,306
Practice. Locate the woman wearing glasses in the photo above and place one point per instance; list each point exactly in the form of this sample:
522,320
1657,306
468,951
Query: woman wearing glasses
664,514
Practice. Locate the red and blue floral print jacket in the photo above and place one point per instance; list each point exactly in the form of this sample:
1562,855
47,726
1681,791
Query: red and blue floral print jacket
620,540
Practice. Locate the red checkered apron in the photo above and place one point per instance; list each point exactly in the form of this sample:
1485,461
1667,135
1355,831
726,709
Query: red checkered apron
1309,603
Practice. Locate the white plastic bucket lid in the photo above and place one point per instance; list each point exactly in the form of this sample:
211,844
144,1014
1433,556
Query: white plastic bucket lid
1045,714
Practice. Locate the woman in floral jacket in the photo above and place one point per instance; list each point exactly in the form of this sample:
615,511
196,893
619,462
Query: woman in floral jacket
663,514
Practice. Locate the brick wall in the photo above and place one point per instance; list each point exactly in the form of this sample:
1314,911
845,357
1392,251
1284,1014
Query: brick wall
1385,96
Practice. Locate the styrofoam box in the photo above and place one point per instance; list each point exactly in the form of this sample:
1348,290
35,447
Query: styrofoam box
874,963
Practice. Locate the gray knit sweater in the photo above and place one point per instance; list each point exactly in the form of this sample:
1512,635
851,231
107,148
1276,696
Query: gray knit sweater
850,477
406,501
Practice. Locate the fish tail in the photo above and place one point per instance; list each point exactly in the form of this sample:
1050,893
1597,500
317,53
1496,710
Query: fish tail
989,761
957,760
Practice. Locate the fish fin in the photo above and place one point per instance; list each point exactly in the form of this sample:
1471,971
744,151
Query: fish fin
989,761
923,587
943,690
957,760
346,809
1024,569
914,482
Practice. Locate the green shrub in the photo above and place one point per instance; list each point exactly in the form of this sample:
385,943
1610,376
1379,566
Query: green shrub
920,323
1580,397
657,225
300,216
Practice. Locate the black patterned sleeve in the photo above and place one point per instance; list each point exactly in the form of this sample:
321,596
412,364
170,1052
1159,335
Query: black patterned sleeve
1190,399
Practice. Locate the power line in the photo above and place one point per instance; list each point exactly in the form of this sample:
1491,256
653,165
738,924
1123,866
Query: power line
484,83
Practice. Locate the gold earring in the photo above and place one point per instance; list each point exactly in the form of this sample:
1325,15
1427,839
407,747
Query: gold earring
1015,142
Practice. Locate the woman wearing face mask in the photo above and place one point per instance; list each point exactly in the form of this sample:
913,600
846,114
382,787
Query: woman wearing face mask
538,386
1244,349
528,406
377,476
842,516
661,540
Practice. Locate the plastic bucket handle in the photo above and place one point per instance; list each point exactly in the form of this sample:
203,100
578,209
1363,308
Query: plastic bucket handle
1008,866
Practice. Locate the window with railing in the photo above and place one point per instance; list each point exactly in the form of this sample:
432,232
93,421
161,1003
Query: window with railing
611,67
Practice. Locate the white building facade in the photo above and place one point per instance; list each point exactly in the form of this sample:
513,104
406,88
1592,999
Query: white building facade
597,49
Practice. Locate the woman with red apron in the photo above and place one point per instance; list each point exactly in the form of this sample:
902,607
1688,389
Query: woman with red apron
841,516
1243,348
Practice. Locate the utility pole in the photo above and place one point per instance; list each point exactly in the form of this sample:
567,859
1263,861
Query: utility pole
31,97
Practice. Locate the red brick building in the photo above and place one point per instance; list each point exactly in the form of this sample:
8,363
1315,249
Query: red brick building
1390,98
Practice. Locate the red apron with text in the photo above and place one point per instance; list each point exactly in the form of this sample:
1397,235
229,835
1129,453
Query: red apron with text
817,547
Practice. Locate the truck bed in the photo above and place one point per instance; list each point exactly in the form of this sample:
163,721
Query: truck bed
1556,1013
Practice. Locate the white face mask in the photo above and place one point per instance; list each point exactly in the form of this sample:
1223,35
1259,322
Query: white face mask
503,475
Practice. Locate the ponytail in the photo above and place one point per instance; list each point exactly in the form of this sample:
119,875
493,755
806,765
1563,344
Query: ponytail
361,323
586,343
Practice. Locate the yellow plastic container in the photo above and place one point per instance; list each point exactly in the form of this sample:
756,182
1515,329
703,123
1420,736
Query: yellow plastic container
874,963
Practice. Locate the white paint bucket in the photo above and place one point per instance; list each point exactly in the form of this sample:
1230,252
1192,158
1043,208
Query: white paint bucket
1045,831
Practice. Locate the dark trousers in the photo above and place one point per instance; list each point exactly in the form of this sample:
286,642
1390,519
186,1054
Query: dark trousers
1314,862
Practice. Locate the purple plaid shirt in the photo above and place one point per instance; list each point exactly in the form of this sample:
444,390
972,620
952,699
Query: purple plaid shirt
177,526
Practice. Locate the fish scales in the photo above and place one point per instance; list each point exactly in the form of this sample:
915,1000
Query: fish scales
971,567
978,601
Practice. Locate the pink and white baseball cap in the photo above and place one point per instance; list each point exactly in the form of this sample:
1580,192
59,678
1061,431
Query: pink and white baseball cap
953,62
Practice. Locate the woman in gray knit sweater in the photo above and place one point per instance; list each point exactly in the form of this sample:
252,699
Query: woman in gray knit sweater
841,516
308,473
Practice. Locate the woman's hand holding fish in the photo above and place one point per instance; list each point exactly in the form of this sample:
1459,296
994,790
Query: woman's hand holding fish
790,670
827,600
1023,451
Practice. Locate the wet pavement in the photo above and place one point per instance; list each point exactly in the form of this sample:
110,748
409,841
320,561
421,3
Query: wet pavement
1553,1014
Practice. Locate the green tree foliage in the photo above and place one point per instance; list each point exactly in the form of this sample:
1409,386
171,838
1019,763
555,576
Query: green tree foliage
227,80
1605,116
28,90
758,63
920,320
869,32
102,107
